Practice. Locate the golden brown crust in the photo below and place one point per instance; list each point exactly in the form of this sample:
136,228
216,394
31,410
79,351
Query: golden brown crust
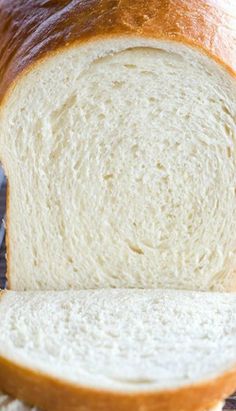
29,30
51,394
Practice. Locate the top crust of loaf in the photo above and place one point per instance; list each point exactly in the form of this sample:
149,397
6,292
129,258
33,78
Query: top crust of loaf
30,30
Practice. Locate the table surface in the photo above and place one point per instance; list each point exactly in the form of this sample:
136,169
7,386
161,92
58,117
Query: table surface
230,404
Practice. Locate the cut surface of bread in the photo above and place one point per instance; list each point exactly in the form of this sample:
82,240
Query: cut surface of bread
120,157
117,134
120,342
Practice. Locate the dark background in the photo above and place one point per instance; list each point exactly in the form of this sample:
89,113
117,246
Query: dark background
2,230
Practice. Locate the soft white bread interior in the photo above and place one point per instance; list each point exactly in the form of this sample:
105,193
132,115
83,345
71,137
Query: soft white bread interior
129,341
120,156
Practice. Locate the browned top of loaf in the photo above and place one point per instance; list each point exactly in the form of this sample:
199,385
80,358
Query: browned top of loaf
31,29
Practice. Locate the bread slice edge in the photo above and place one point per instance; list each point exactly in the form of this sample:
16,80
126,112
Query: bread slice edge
47,392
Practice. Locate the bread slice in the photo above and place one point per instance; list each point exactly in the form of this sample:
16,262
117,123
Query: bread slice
117,134
123,350
8,404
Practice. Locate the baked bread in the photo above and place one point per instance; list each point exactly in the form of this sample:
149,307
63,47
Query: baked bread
118,140
117,135
118,349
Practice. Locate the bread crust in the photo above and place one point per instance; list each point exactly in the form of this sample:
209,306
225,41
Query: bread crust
51,394
30,30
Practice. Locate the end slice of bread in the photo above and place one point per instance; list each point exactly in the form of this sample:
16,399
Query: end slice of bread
118,348
120,156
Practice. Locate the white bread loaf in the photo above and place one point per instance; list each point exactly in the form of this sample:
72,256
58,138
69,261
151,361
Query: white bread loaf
117,135
131,348
118,141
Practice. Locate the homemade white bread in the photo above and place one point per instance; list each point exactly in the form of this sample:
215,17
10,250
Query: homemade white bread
118,139
117,135
118,349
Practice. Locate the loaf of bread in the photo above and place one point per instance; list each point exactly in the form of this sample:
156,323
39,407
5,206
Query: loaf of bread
118,140
123,350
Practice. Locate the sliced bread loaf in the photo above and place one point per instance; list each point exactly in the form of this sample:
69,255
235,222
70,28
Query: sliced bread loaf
117,134
123,350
